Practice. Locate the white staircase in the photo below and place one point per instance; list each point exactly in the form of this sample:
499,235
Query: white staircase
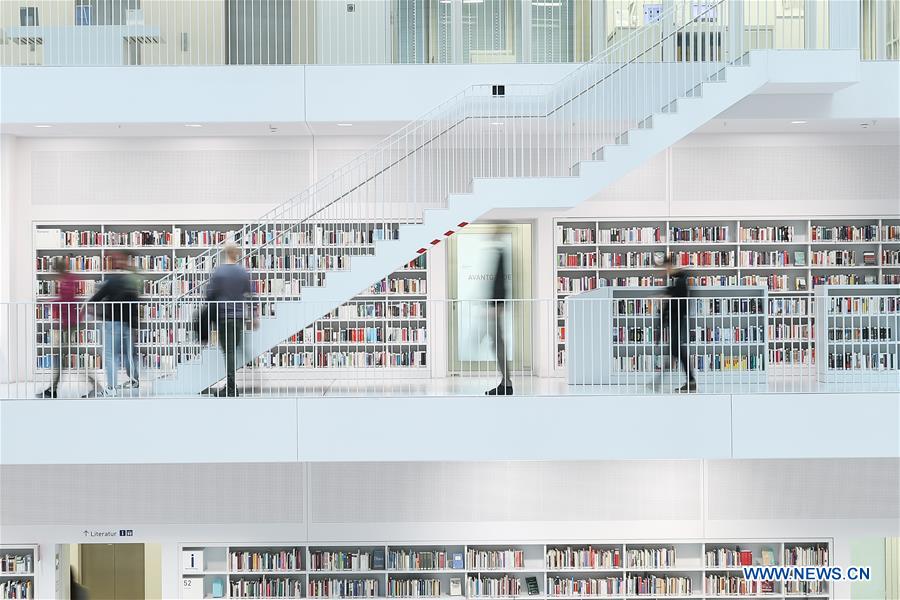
621,115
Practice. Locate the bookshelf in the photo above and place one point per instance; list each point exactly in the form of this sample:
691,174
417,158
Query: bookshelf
17,571
606,569
790,257
385,326
859,336
615,335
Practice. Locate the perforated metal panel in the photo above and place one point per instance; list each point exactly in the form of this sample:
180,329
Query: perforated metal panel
804,489
726,174
171,493
646,183
504,491
168,177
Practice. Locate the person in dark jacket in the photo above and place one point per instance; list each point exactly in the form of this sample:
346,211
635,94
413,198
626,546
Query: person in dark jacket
675,319
497,310
229,286
119,311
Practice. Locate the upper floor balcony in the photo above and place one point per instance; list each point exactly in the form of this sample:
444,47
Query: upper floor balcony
354,32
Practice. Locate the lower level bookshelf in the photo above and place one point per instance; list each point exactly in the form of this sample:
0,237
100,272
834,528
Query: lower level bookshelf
602,569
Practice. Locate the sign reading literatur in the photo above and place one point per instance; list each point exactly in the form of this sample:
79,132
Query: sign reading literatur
107,533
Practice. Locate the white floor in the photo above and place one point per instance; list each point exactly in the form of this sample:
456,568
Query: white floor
474,384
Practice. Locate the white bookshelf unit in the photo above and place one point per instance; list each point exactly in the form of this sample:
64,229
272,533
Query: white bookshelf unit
384,326
18,565
791,257
615,335
541,571
858,333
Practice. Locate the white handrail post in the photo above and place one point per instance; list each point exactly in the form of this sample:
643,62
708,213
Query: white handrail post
735,30
668,31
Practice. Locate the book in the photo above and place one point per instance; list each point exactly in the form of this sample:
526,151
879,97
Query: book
800,258
378,559
455,586
532,585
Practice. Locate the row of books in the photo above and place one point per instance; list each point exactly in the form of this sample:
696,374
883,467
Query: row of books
718,584
851,279
282,560
651,557
506,585
609,260
837,258
297,261
805,587
658,585
583,558
700,233
378,309
775,282
326,560
401,588
728,362
844,233
863,305
76,237
495,559
342,588
14,564
576,235
789,306
423,560
726,335
79,336
82,264
768,233
576,259
704,258
791,331
860,334
890,233
855,361
80,361
17,588
728,557
630,235
792,356
640,335
399,285
586,586
324,234
772,258
890,279
266,587
354,359
890,257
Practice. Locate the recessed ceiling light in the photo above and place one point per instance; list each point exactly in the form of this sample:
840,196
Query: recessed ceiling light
193,125
43,126
345,124
798,122
496,123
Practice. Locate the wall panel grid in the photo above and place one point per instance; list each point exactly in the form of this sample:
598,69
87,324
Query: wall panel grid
803,489
168,177
555,569
152,494
385,325
790,256
451,492
820,173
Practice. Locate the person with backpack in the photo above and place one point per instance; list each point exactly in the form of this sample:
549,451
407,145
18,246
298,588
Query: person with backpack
119,311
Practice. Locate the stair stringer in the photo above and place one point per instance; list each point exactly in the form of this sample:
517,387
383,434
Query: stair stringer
589,177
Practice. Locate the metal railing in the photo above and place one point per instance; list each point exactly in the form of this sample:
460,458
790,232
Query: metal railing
645,344
280,32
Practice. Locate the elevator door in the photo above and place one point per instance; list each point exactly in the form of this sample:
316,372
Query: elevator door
113,571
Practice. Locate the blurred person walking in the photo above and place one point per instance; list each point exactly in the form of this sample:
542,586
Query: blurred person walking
119,310
67,317
497,311
674,317
229,287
